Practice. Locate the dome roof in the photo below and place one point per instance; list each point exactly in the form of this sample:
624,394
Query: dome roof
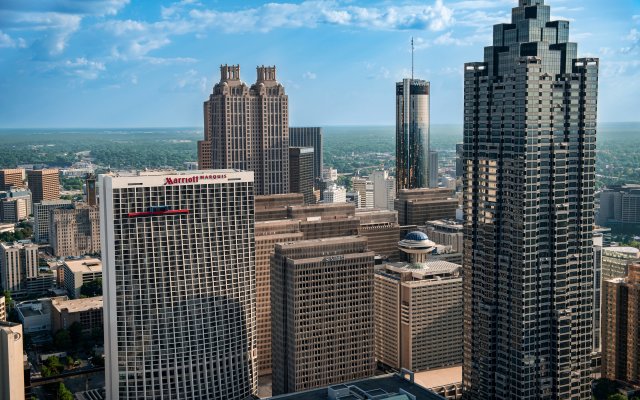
416,236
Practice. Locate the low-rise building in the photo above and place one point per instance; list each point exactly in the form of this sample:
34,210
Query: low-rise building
615,260
78,272
87,312
35,316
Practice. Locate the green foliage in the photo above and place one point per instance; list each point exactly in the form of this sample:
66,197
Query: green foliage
52,366
75,332
71,183
63,393
68,361
617,396
92,289
344,181
62,339
19,234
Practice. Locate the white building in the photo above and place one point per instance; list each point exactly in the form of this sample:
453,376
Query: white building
364,187
335,194
330,174
384,189
11,362
179,285
18,265
78,272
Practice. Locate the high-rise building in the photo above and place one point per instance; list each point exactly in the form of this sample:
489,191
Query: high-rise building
417,206
301,172
3,308
615,260
621,327
11,178
412,134
179,285
91,190
11,362
384,189
529,176
364,188
330,174
15,204
19,266
620,206
44,184
597,299
382,231
41,215
335,194
276,206
309,137
459,160
247,128
322,313
433,169
446,232
74,231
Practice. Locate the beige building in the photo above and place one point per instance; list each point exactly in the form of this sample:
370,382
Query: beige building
11,362
87,312
615,260
322,313
74,231
3,308
384,189
78,272
11,178
446,232
18,266
418,310
41,215
382,231
621,327
364,188
44,184
274,207
247,128
417,206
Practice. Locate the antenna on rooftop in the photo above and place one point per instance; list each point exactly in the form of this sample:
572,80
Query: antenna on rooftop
411,57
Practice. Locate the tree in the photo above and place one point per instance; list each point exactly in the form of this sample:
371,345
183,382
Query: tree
62,339
92,289
75,333
64,393
617,396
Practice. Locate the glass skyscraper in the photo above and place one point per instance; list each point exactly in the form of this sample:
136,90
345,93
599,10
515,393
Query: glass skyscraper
412,134
529,172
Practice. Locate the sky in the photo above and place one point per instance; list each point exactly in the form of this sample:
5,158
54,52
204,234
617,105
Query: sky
151,63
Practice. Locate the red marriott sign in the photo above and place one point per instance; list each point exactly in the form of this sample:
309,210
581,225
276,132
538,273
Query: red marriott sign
192,179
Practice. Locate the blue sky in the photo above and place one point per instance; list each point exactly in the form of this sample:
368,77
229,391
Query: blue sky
132,63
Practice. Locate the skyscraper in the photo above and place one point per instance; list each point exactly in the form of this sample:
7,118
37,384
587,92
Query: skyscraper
384,189
529,172
301,172
433,169
44,184
412,134
247,128
309,137
11,178
179,285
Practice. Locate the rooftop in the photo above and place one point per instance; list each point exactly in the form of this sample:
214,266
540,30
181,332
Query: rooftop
439,377
423,271
623,249
78,305
85,265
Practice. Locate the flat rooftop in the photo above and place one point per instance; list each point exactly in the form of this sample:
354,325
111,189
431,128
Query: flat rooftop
85,265
439,377
623,249
386,386
437,267
78,305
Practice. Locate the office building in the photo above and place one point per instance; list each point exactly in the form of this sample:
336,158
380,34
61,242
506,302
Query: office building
190,237
384,189
416,207
309,137
446,232
35,316
330,174
383,387
412,134
301,172
459,160
3,308
597,302
19,272
11,178
91,190
364,188
418,315
382,231
615,260
15,205
335,194
41,215
621,327
86,312
11,362
74,231
433,169
528,198
322,313
78,272
620,207
247,128
44,184
275,207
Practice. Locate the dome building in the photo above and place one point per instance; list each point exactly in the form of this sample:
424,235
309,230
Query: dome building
417,247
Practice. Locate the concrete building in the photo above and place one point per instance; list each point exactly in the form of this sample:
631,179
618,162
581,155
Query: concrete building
416,207
11,178
78,272
597,303
330,174
459,160
74,231
15,205
41,214
11,362
275,207
384,189
322,313
301,172
446,232
19,271
620,206
247,128
615,260
3,308
91,190
383,387
35,316
309,137
530,116
364,188
179,285
412,134
335,194
87,312
44,184
621,327
418,311
382,230
433,169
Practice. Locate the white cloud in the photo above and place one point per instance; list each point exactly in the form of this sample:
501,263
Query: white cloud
81,68
448,40
8,41
191,81
309,75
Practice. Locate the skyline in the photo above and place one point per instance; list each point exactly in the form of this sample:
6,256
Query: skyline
100,60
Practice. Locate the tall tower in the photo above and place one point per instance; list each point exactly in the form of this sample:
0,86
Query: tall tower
179,285
44,184
412,134
247,128
529,172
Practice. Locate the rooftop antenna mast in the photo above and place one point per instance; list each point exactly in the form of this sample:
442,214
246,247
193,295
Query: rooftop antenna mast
411,57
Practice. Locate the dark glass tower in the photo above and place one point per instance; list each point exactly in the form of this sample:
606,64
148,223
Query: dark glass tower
529,172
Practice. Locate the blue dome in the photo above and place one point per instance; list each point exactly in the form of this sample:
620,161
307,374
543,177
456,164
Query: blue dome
416,236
